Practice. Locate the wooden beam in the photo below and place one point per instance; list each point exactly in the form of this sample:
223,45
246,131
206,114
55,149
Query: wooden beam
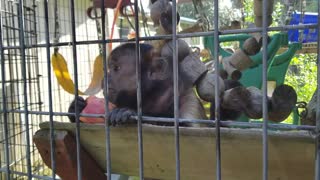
66,156
307,48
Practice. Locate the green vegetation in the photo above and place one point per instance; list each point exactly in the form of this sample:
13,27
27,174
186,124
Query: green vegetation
302,76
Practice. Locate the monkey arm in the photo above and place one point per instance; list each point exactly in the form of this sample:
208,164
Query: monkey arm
190,108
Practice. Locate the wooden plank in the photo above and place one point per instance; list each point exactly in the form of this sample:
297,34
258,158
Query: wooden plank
65,156
307,48
291,153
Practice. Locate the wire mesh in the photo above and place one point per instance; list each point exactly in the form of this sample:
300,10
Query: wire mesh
30,94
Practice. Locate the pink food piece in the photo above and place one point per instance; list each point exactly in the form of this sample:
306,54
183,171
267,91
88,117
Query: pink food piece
94,105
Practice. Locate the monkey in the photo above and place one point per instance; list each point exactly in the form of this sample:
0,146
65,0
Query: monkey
157,92
161,13
237,100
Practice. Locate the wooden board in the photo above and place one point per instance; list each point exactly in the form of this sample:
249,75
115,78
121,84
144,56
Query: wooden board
307,48
65,156
291,153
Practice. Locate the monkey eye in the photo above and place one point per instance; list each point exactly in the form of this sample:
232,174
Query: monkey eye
115,68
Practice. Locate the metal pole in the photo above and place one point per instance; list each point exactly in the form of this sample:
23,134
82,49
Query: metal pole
106,88
138,77
176,87
4,101
25,90
217,99
74,51
264,89
317,159
47,37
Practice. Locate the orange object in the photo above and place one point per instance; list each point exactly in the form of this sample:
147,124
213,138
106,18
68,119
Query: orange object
95,105
132,35
114,22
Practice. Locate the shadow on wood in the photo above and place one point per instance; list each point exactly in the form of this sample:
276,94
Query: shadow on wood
291,153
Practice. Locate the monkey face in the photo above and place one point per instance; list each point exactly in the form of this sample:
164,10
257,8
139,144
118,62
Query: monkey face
122,80
122,74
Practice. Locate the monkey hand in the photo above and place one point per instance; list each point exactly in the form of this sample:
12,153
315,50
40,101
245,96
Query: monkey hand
120,116
72,108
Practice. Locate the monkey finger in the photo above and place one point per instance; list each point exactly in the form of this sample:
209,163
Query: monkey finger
127,115
119,116
112,117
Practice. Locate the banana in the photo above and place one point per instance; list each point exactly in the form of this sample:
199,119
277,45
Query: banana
97,77
60,68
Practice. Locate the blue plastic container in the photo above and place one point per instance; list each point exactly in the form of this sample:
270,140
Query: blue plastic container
309,35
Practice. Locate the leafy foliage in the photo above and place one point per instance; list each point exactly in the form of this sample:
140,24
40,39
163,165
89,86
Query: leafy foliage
248,11
302,75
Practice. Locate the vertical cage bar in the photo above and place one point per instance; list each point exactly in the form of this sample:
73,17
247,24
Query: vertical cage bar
25,90
14,37
47,39
36,42
4,100
138,77
76,93
317,159
217,99
176,87
264,90
106,88
8,59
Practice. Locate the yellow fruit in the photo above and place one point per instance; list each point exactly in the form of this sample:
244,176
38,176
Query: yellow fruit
62,74
97,77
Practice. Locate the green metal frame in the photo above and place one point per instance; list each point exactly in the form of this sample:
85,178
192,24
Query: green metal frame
277,64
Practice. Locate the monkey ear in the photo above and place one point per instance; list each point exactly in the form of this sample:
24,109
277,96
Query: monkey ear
159,69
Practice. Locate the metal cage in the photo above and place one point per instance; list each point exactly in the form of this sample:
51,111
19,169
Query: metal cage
30,95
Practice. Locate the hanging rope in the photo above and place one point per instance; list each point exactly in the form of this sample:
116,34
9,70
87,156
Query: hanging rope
198,6
57,27
98,27
144,20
